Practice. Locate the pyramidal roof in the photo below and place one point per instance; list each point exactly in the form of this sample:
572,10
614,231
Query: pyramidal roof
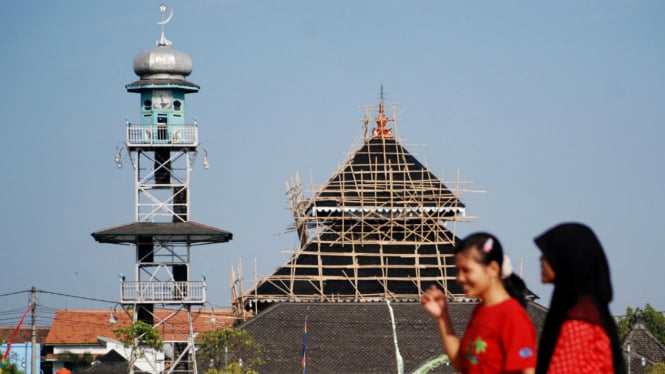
383,176
376,229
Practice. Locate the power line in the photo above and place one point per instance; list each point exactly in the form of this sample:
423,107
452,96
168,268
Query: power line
14,293
61,294
77,297
9,311
44,313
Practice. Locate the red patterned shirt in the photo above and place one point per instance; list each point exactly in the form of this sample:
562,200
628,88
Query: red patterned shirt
499,339
582,347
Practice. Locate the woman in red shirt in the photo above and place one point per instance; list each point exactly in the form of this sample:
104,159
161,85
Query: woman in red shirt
579,335
500,337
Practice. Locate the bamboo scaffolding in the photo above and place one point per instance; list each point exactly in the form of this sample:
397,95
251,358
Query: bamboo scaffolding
376,229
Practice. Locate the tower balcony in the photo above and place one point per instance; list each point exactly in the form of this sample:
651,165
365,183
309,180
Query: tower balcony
162,135
163,292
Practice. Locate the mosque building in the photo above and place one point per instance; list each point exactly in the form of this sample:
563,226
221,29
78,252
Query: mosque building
372,238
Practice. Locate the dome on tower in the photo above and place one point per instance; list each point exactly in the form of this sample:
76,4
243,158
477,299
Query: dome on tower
162,66
162,62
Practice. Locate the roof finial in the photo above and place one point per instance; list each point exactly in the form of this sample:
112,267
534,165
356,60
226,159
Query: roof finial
162,39
381,121
638,320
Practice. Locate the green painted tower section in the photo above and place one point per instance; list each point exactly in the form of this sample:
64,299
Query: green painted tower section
163,86
164,145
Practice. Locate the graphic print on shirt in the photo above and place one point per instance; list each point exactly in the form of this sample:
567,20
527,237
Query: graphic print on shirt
475,347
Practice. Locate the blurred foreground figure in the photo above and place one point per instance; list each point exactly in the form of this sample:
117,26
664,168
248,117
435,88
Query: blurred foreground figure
500,337
579,335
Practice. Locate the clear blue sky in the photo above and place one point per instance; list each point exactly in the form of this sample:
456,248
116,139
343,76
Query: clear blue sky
556,109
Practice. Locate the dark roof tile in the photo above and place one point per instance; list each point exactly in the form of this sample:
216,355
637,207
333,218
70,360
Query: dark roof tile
355,337
643,344
184,232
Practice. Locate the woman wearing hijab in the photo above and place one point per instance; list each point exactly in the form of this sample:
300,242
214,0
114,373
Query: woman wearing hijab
579,335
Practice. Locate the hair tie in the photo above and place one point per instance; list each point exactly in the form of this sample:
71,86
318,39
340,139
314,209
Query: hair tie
506,268
489,243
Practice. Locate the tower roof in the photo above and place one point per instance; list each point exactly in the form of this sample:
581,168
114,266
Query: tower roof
382,176
162,65
376,229
162,62
175,232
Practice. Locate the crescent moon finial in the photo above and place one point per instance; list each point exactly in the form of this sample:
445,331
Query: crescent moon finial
162,40
165,21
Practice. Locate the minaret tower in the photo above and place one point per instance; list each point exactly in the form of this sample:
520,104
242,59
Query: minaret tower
162,149
163,145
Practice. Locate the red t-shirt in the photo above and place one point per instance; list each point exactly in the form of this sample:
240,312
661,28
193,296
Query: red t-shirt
499,339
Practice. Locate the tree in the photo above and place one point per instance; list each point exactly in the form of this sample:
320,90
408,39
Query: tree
6,368
657,368
77,361
653,320
11,369
138,337
230,351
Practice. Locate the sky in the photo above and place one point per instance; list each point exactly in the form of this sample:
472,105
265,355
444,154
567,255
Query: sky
554,110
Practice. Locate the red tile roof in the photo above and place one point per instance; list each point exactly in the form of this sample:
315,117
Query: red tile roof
24,334
84,326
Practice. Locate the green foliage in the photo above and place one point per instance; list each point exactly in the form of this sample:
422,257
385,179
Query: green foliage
625,323
8,368
653,320
224,348
78,361
138,337
657,368
11,369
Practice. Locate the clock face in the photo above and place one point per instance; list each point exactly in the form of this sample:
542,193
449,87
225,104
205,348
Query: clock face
162,99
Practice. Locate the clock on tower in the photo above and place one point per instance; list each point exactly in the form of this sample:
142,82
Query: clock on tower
162,99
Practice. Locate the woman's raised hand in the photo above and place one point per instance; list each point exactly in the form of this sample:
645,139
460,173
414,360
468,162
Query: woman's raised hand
434,302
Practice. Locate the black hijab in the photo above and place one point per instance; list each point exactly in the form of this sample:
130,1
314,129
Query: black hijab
580,266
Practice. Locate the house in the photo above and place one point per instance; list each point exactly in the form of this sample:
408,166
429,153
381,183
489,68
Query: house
90,333
111,363
21,350
641,349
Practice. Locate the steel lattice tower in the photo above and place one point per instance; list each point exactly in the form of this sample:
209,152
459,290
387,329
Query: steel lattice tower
162,149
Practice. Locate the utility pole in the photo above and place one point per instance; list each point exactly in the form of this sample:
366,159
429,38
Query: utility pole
33,302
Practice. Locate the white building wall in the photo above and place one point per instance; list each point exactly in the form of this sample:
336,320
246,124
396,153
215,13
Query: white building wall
152,361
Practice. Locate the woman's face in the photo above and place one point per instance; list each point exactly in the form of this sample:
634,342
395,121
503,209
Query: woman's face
547,274
472,275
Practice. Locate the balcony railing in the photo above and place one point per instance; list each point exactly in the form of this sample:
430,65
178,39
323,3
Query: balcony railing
163,292
162,135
